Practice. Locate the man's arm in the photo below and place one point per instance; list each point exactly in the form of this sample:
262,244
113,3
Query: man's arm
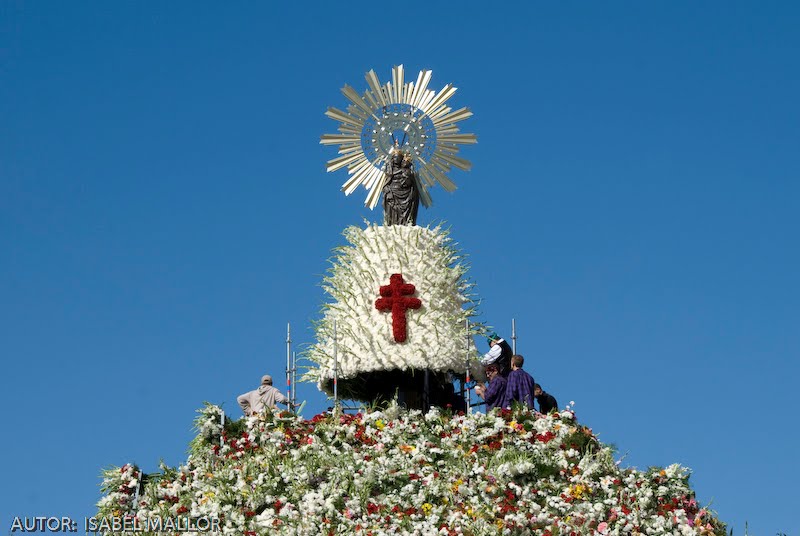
281,398
244,403
492,355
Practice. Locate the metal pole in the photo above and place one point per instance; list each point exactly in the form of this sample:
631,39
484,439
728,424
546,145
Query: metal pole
514,334
222,424
467,388
294,378
335,368
136,493
288,361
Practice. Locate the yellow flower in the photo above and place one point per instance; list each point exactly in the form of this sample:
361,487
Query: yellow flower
379,424
426,508
456,484
578,490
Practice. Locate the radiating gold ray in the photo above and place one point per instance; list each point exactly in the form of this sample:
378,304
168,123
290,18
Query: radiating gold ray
409,89
426,176
439,164
422,87
388,93
439,112
375,84
458,115
373,176
352,109
398,80
370,99
343,161
350,148
426,99
459,162
447,131
448,148
347,129
350,185
424,194
343,117
375,194
446,92
356,99
333,139
444,180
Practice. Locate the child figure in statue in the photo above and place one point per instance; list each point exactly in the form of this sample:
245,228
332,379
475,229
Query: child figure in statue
400,193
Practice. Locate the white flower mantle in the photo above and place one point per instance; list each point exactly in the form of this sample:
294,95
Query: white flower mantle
437,338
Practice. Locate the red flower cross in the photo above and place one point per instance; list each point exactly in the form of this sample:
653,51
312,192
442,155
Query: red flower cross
395,299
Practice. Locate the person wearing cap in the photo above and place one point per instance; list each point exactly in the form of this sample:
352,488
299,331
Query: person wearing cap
266,396
495,393
499,354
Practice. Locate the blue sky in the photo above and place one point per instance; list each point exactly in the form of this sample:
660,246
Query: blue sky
634,201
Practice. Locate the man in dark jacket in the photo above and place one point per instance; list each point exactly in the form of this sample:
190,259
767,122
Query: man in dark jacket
547,402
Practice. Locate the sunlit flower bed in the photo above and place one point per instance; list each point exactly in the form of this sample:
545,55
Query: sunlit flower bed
398,472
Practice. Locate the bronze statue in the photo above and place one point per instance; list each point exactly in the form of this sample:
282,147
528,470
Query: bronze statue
400,193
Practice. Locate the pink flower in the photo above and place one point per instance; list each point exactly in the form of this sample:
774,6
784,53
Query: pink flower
602,528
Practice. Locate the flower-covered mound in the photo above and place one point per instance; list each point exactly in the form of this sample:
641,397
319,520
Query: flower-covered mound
398,472
367,349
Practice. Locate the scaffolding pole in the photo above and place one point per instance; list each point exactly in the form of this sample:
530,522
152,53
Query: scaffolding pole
289,361
514,335
466,387
294,379
222,426
335,369
139,486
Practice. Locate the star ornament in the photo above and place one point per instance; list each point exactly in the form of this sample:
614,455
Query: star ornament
398,116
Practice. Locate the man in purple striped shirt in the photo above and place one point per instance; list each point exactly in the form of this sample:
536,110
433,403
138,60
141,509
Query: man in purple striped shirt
520,385
495,393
